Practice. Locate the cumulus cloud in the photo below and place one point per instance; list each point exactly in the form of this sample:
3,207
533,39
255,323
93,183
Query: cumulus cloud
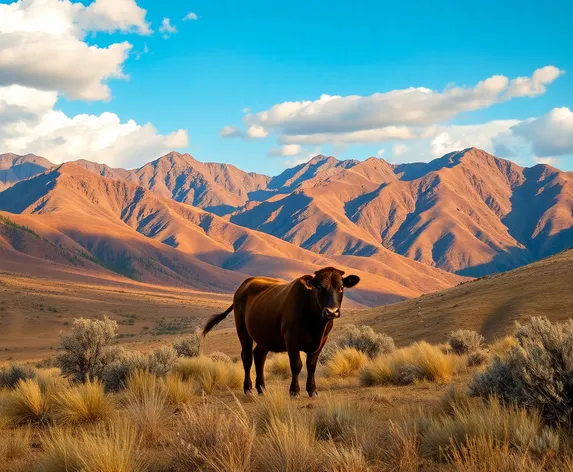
398,150
32,124
550,135
286,150
380,152
190,16
394,115
54,31
231,132
167,28
257,132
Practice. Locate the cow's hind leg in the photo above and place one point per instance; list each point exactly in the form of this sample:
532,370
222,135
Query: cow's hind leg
246,357
260,354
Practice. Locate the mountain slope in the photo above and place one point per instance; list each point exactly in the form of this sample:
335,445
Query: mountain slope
489,305
15,168
467,212
131,231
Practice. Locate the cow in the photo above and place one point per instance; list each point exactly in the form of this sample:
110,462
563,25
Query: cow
278,316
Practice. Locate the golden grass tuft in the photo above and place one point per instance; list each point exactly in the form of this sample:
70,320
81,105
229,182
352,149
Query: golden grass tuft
14,444
420,361
278,366
215,438
146,406
178,391
26,404
289,446
337,420
209,375
113,447
344,363
493,422
83,403
275,405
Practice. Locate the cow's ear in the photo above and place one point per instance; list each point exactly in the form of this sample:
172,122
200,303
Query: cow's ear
350,281
307,281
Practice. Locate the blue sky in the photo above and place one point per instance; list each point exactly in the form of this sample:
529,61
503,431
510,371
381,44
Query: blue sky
258,54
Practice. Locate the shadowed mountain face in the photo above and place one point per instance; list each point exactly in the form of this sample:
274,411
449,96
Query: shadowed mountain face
467,212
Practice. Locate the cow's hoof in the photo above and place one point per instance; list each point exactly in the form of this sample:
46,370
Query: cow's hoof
248,392
313,394
294,394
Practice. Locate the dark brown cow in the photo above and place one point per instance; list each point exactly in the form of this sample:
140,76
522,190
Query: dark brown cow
291,317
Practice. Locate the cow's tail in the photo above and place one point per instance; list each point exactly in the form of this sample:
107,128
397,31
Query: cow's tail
215,320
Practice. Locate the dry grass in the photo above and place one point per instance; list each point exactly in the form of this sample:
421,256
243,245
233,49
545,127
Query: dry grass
278,366
337,420
344,363
146,406
84,403
209,375
502,345
26,404
215,438
421,361
106,448
178,391
289,446
275,405
14,444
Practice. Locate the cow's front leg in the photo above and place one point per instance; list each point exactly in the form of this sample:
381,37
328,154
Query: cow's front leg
311,361
295,368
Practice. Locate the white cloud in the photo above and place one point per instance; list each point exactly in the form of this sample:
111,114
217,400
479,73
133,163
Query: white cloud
167,28
231,132
190,16
31,124
380,152
398,150
550,161
54,31
394,115
257,132
550,135
246,110
286,150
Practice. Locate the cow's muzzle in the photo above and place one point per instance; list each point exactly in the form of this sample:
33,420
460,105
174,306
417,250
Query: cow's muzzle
331,313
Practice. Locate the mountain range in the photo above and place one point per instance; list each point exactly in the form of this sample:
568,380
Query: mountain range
407,229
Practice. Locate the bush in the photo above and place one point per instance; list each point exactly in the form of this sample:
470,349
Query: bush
214,438
220,357
465,341
537,373
421,361
10,376
158,362
477,358
366,340
337,420
190,346
88,349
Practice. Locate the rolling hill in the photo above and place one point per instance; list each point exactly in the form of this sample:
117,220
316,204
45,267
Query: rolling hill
490,305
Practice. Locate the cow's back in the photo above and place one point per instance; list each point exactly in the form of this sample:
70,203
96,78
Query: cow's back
259,305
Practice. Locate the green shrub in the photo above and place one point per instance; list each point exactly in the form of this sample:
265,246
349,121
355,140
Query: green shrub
537,373
10,376
465,341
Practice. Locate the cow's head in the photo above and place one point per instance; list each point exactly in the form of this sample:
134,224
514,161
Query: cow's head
328,286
